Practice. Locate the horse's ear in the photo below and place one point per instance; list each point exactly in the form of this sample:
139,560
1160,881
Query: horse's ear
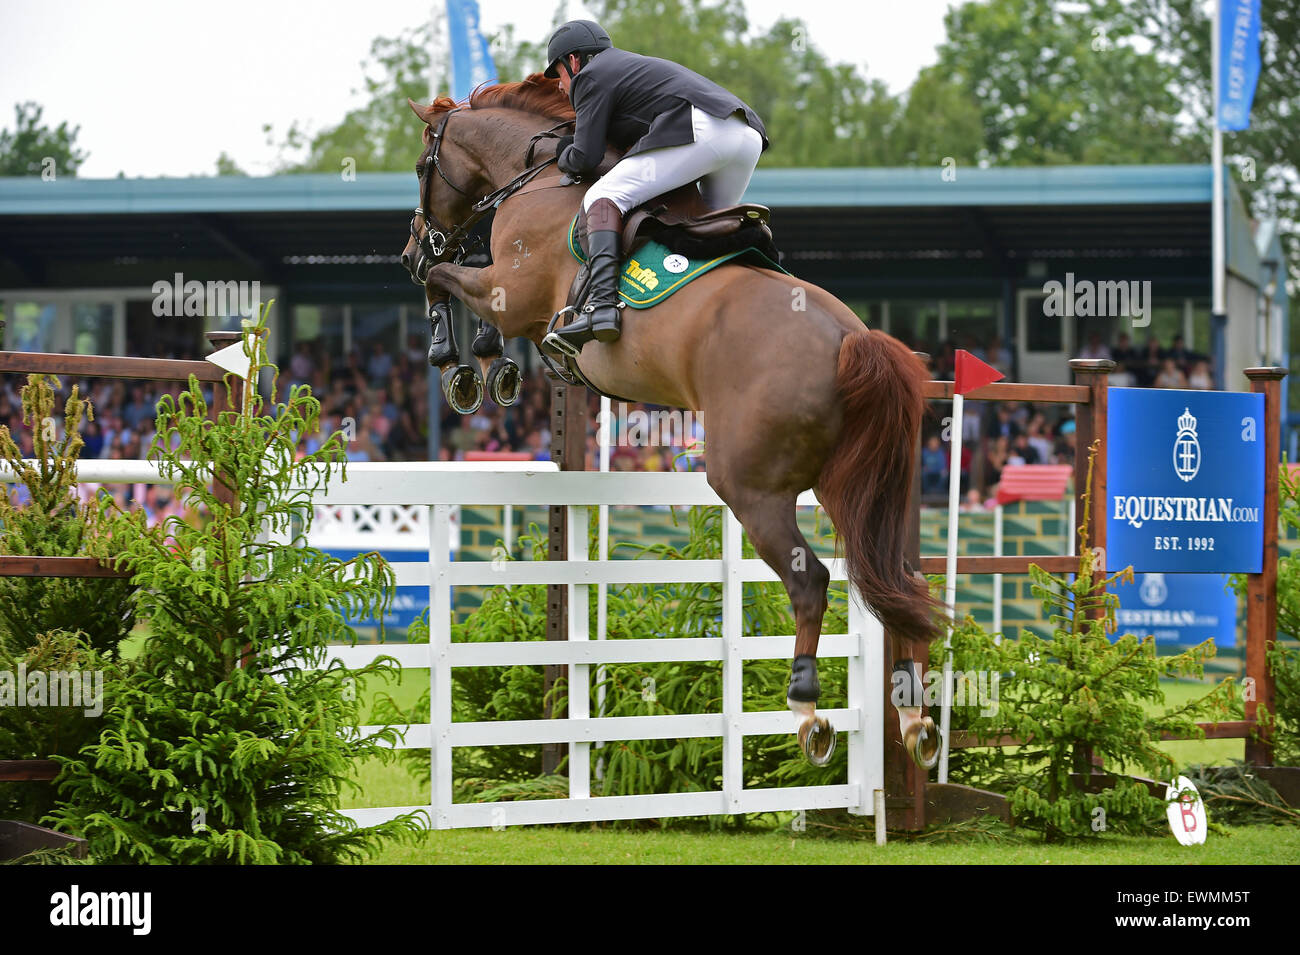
418,110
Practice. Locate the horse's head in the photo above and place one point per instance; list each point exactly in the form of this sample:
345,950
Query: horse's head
447,192
456,166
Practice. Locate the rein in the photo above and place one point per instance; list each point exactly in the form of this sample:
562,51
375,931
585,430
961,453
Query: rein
437,245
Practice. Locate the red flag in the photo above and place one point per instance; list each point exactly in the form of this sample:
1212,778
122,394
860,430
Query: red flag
973,373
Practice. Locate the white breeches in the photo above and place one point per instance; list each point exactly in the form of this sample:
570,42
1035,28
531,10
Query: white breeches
722,159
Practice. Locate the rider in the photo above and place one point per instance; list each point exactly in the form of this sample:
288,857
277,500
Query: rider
674,126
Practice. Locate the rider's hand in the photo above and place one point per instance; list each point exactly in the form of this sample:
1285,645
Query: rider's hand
561,144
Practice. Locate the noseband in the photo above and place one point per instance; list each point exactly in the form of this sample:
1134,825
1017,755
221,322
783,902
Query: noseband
440,244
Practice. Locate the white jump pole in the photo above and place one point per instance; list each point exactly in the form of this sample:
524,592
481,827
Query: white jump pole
1071,517
602,537
997,578
950,589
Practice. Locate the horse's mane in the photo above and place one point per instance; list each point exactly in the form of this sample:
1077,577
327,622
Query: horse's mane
536,94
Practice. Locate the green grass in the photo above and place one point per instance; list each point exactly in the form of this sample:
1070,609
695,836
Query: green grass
551,845
769,839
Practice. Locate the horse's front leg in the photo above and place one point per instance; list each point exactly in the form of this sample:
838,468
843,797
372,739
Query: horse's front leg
461,385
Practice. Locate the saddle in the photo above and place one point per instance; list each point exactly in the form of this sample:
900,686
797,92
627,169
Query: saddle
681,221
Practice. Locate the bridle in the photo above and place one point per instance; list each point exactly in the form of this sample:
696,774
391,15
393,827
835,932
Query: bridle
439,244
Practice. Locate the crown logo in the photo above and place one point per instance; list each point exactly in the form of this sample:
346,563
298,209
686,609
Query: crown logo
1187,448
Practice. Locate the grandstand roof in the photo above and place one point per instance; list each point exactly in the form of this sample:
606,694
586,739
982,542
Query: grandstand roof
814,188
879,230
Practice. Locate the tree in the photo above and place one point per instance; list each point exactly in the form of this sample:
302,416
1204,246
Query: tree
1055,83
382,135
227,166
1268,153
230,735
817,113
941,120
36,150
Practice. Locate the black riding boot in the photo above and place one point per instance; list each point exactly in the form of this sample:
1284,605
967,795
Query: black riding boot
599,317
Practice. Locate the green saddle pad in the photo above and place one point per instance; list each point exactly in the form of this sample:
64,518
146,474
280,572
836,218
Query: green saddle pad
655,271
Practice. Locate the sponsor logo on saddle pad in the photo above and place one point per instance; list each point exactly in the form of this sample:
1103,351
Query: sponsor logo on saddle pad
639,274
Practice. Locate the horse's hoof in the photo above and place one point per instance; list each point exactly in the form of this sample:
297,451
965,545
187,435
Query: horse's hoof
462,389
817,740
504,383
922,743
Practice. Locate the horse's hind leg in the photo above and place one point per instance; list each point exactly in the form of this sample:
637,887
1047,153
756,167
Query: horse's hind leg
920,734
500,374
769,519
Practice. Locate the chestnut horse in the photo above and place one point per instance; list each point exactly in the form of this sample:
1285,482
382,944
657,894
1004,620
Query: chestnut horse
795,391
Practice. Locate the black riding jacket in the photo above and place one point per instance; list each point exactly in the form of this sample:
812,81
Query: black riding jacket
638,103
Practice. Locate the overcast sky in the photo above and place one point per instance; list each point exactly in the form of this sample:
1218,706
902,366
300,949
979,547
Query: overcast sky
161,87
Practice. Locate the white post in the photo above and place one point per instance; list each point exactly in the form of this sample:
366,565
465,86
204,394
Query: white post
440,666
732,699
866,681
950,588
1070,519
997,578
579,673
1217,241
602,553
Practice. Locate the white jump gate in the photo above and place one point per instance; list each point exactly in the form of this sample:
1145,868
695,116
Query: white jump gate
440,488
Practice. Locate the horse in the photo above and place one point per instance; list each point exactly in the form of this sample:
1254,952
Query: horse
797,393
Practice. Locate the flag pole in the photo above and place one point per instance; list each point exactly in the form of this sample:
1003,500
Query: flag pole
950,584
1219,317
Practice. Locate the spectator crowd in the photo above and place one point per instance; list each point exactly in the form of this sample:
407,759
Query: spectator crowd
1000,434
380,401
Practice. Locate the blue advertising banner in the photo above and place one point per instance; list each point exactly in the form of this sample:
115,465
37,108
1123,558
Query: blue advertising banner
1238,61
408,602
1182,609
471,61
1185,481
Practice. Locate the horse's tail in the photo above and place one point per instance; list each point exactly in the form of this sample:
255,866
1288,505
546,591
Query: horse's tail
866,483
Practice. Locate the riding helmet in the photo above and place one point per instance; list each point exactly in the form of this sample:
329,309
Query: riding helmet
576,36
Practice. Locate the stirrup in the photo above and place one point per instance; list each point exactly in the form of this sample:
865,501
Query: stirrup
554,342
561,346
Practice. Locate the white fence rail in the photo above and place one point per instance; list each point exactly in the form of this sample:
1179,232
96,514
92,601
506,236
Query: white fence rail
436,489
583,492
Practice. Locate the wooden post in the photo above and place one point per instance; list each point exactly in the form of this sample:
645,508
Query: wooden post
1090,424
1261,588
569,451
